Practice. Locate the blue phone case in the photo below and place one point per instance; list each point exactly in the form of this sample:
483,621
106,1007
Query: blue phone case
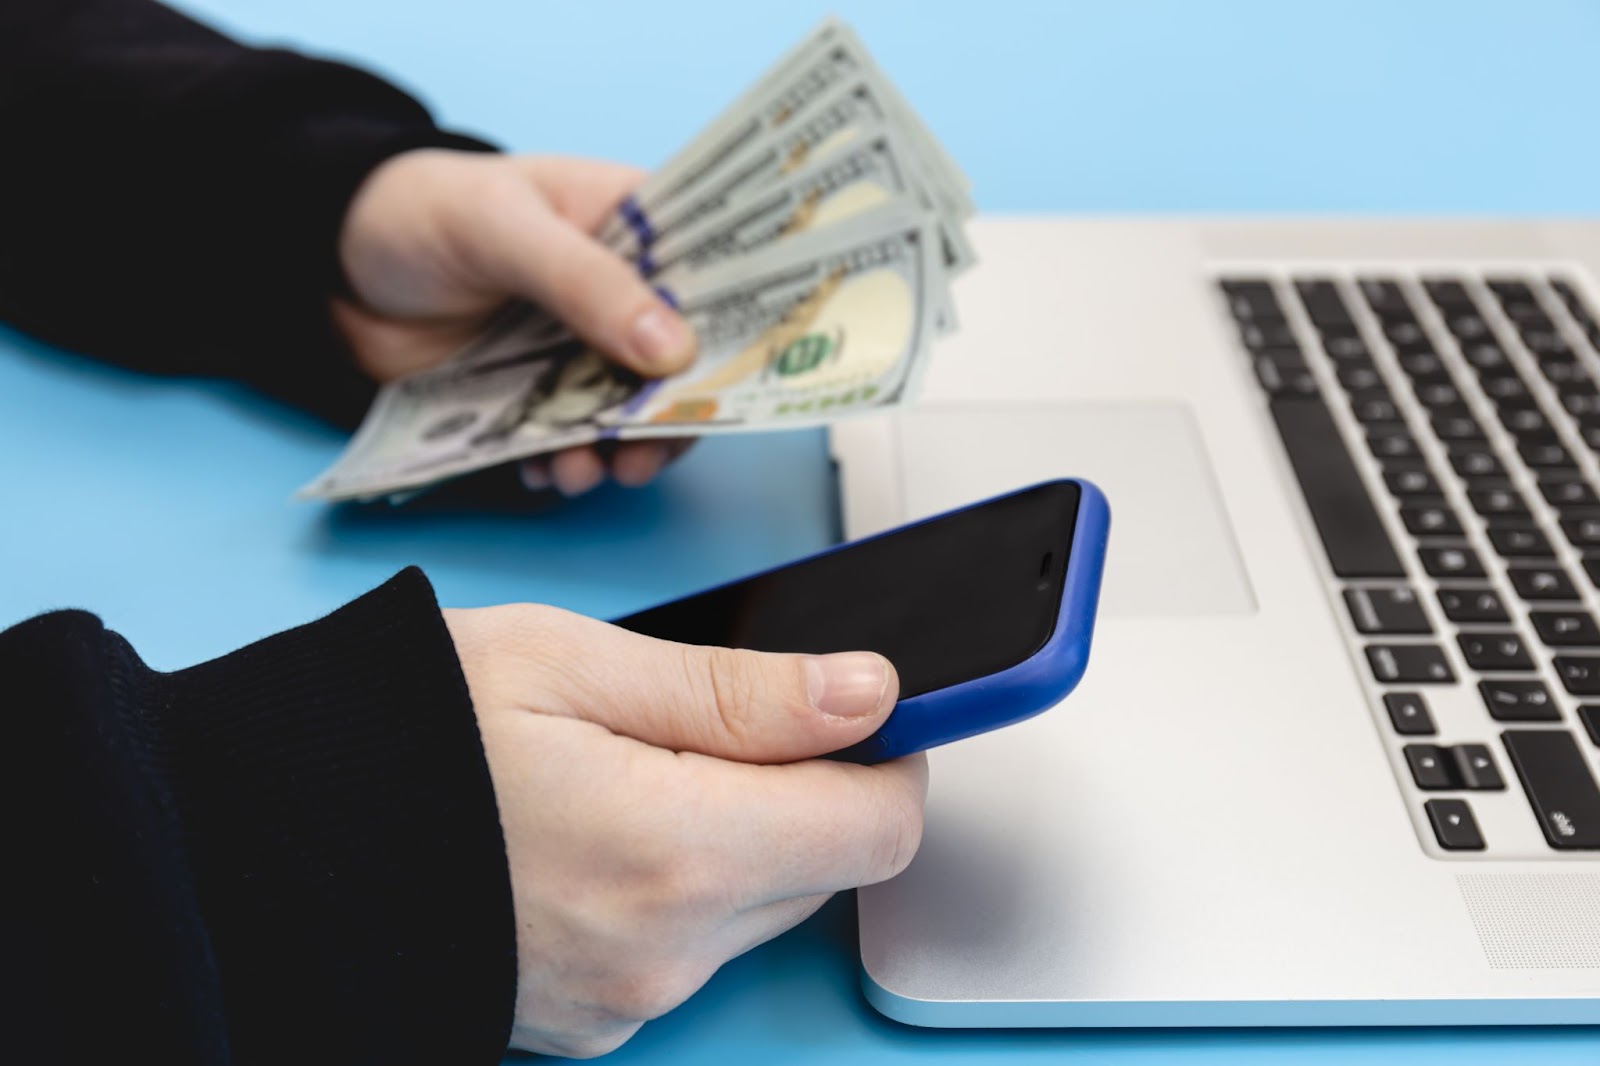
1022,691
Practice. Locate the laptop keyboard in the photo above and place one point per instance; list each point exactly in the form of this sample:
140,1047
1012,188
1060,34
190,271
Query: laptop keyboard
1444,429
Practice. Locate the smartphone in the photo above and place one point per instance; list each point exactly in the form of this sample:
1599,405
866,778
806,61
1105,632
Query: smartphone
986,612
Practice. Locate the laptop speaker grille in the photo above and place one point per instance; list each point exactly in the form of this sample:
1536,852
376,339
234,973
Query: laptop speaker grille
1535,921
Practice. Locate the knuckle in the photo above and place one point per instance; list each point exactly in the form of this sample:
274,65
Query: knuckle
645,994
732,682
900,834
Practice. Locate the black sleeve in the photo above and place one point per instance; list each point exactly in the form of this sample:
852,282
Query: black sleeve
291,854
171,199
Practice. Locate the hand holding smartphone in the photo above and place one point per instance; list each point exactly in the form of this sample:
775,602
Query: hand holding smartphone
987,612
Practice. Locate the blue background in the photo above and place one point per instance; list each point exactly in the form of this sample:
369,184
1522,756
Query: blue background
164,505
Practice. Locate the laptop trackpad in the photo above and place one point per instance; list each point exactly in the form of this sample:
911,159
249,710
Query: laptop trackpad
1172,552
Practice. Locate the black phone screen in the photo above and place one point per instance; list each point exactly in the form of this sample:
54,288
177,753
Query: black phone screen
955,598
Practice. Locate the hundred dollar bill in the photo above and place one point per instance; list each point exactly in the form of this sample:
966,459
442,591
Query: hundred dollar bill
842,36
832,323
463,415
806,71
872,170
830,122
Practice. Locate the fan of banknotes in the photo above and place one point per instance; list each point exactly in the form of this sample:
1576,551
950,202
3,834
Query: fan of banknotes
807,235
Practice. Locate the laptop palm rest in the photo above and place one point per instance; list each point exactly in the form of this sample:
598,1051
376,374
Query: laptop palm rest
1172,551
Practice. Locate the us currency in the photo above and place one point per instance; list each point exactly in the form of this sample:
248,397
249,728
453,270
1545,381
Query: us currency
827,324
833,323
872,170
820,86
834,120
806,71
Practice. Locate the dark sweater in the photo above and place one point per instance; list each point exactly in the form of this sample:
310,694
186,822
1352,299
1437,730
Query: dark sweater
171,200
290,855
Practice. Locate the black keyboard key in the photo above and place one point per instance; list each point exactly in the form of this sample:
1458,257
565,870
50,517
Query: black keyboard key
1345,346
1352,533
1424,366
1447,293
1510,290
1436,394
1356,376
1279,378
1385,298
1589,715
1566,629
1450,561
1453,825
1265,334
1431,768
1504,387
1582,532
1323,302
1500,652
1518,700
1408,713
1486,357
1386,610
1502,500
1238,286
1475,768
1527,314
1467,326
1545,455
1583,385
1252,300
1411,481
1374,407
1592,569
1405,333
1476,462
1544,342
1559,785
1393,444
1541,582
1516,541
1567,493
1579,674
1479,604
1430,518
1580,405
1409,664
1522,419
1561,369
1457,427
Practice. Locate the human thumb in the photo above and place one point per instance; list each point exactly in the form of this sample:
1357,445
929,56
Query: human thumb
750,706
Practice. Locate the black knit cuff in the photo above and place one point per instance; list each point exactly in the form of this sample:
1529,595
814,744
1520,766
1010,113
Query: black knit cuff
345,839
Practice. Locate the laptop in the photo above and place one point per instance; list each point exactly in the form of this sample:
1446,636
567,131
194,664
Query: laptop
1335,758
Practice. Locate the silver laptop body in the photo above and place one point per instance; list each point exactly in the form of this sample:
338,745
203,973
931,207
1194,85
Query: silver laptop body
1224,824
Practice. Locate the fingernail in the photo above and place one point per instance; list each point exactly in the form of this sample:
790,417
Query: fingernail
577,471
639,465
848,684
578,483
660,337
535,476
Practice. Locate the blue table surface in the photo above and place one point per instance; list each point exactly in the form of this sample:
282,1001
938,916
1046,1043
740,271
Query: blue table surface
164,506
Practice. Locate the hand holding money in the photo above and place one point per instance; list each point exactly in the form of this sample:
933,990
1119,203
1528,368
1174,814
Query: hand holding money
806,236
435,241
